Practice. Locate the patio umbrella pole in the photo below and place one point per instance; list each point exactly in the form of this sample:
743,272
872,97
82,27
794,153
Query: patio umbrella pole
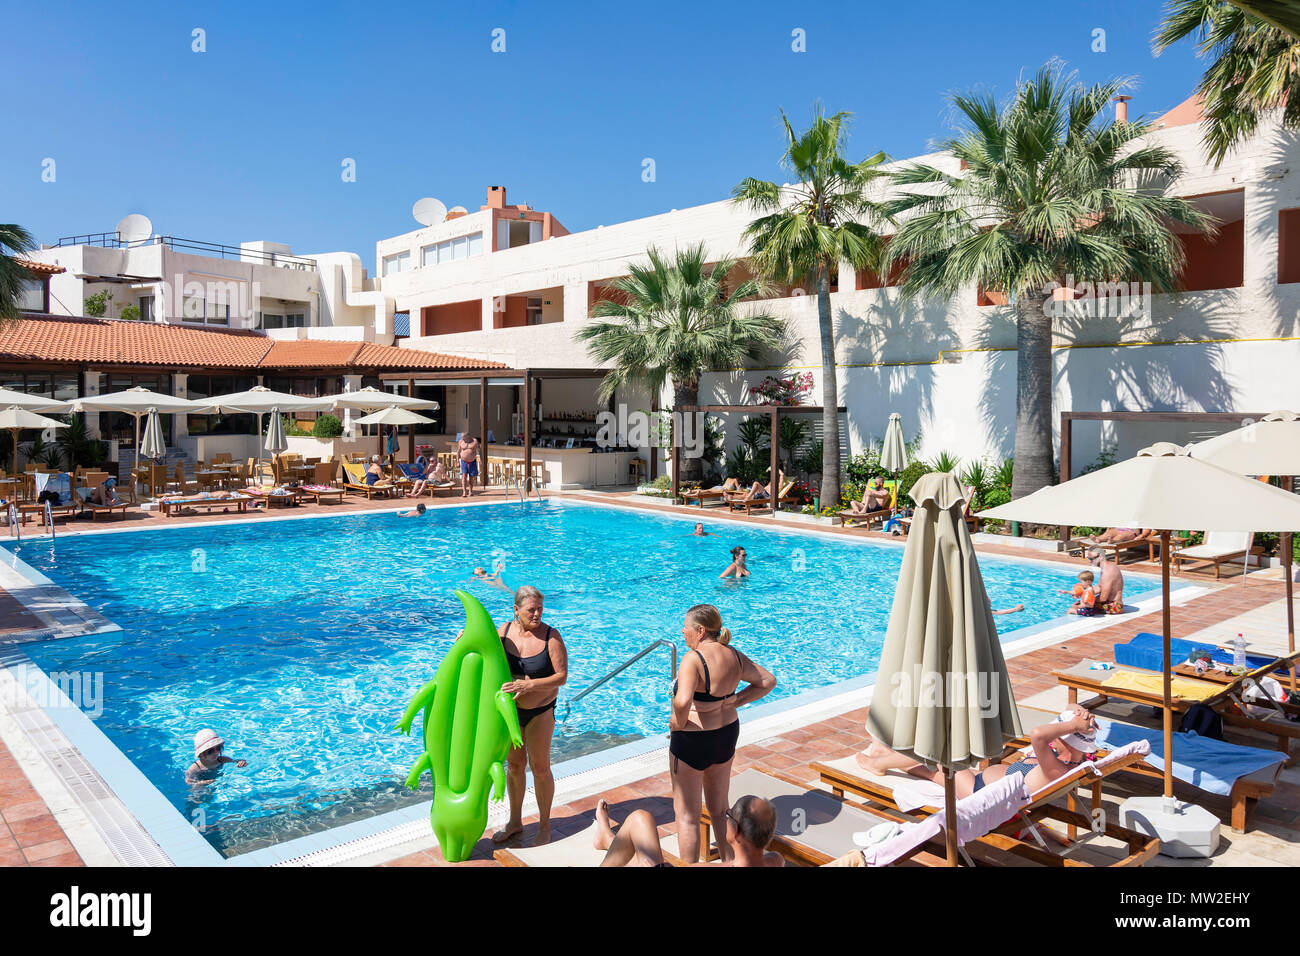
950,815
1168,669
135,465
1290,607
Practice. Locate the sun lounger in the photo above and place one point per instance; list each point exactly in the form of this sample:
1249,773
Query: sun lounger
815,828
701,495
1218,547
871,517
1245,775
1113,549
81,497
319,493
286,497
354,480
174,506
751,504
1145,687
909,794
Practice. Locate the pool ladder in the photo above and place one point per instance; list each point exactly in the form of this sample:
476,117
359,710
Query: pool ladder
619,669
523,486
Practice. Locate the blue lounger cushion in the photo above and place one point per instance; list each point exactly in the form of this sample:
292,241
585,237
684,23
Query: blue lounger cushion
1147,652
1209,764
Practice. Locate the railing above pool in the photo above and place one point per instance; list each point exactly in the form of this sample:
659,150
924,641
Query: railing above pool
619,669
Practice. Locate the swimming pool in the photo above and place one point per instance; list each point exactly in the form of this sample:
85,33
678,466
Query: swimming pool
301,641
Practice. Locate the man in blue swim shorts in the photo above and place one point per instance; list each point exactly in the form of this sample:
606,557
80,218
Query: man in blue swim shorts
467,448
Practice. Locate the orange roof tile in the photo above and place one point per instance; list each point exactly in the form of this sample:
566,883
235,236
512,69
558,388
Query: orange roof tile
59,339
391,357
40,268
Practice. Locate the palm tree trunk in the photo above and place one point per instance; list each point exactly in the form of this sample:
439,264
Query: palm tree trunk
1033,452
830,486
688,393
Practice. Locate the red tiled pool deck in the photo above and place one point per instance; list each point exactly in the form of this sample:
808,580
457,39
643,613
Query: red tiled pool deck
31,836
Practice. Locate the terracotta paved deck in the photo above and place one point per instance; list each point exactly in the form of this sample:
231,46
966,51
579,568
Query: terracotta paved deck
31,836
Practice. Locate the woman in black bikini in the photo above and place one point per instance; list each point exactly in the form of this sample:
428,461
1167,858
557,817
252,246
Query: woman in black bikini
705,727
539,665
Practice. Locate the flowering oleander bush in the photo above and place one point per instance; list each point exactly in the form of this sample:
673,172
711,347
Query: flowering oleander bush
783,391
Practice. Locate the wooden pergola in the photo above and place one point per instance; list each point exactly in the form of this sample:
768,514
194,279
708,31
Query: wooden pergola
774,412
1069,418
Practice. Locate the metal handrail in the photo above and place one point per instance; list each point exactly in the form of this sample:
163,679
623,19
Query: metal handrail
113,240
15,530
49,518
619,669
523,485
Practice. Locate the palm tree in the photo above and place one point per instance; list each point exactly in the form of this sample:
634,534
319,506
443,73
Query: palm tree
673,320
1255,68
1280,13
1048,189
14,241
806,230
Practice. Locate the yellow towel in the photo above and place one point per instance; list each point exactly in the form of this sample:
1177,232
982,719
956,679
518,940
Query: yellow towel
1154,684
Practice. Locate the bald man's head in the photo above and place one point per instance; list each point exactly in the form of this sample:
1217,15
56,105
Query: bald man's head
755,820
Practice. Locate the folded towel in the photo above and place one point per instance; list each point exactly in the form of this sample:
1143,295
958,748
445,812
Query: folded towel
1212,765
1154,684
1147,652
977,813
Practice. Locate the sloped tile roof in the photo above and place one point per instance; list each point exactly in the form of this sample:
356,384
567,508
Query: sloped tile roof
89,341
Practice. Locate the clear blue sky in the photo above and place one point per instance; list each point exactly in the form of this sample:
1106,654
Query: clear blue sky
245,140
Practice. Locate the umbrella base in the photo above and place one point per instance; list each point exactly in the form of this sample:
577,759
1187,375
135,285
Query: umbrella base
1184,829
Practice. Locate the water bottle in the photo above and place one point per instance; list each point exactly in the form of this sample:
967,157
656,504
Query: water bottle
1239,652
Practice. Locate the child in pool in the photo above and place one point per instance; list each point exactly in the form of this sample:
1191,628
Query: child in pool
494,578
416,512
208,758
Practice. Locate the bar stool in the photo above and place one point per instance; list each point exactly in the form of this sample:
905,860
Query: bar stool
636,470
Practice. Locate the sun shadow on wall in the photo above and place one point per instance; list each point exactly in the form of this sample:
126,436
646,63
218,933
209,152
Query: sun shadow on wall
994,335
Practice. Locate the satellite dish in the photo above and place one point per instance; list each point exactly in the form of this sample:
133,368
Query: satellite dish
455,212
134,228
428,211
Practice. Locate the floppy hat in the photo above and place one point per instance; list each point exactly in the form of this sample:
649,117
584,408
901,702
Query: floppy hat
1085,743
205,740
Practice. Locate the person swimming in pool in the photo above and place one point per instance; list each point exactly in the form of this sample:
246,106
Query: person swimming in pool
208,758
699,531
416,512
493,579
539,667
737,565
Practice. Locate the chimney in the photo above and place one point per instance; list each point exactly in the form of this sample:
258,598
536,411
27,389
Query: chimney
496,197
1121,108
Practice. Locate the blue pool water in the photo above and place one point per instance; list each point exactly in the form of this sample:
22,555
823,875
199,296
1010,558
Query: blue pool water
301,641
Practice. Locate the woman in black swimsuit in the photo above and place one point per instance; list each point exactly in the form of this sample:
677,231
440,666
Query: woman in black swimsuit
705,727
539,665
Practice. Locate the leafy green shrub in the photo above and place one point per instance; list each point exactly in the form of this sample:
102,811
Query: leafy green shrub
131,313
76,447
910,476
863,466
662,483
979,476
1106,458
327,426
996,495
810,462
98,304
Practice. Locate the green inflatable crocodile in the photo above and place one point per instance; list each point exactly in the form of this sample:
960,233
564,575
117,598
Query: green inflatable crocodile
469,725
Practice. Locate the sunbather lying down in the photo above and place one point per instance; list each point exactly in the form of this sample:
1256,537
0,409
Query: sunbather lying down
757,491
1058,748
1119,536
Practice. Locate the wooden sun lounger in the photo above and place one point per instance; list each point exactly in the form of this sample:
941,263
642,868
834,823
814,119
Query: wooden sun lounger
751,505
174,506
704,494
870,517
1113,550
844,776
823,831
1246,791
1207,551
320,494
350,483
1224,698
34,509
97,510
